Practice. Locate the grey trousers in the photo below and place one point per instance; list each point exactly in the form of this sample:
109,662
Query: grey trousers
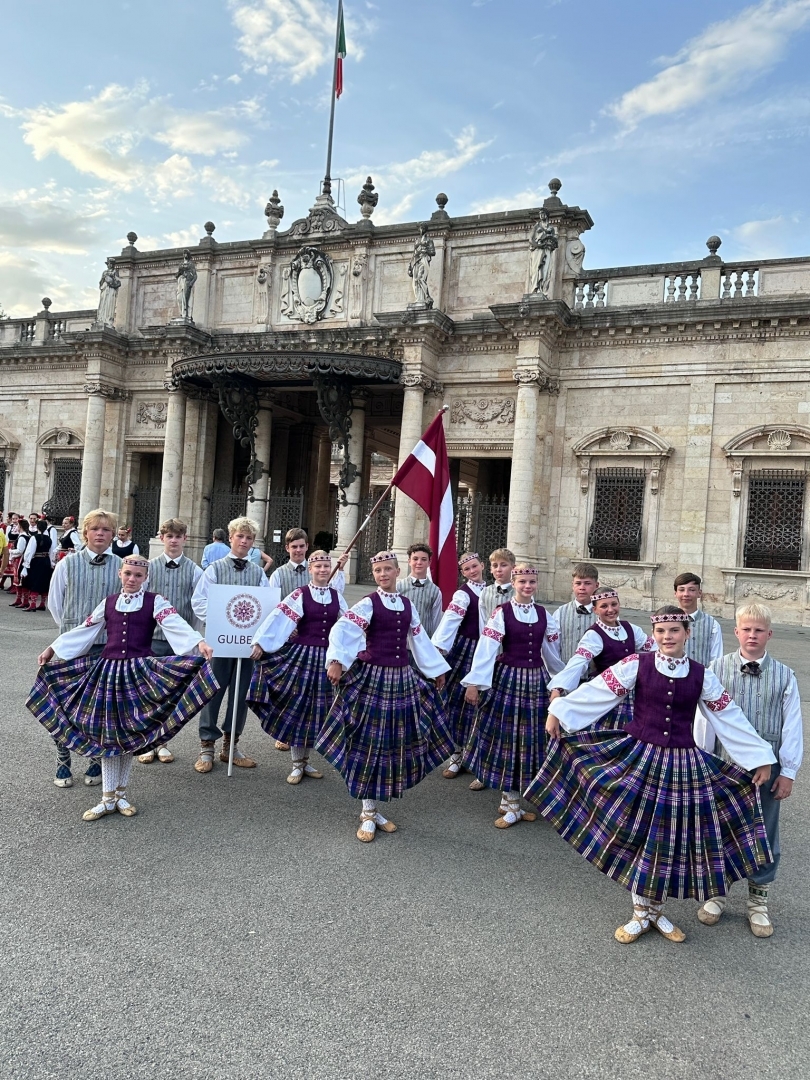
770,815
225,672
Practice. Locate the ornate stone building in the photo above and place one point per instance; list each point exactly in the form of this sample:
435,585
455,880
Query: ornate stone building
652,418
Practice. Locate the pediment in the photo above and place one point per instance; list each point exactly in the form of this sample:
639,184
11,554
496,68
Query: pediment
7,442
623,440
776,440
61,439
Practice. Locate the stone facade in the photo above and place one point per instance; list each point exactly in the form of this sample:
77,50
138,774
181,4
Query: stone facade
659,402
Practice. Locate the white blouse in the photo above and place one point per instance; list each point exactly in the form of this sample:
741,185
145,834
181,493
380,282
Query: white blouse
592,700
282,621
444,636
591,645
347,637
489,645
180,636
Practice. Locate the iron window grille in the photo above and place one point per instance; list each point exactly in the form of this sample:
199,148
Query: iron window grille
773,532
618,509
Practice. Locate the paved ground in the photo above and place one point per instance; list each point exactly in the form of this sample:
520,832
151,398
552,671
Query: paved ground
237,929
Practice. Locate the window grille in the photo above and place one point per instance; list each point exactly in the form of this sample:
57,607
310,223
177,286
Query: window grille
226,504
145,515
773,533
481,522
615,531
285,510
67,486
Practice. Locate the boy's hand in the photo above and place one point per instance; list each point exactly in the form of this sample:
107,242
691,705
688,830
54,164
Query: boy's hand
782,787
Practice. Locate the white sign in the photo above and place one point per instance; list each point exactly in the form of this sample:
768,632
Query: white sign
235,613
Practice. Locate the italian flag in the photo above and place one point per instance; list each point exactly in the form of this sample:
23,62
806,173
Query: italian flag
340,53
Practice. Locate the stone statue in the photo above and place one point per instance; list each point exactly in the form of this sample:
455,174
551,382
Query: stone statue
575,255
423,251
542,249
264,281
358,274
186,277
109,285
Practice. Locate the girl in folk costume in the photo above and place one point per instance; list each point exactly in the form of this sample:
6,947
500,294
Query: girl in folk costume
607,642
518,647
114,705
70,540
387,728
15,562
37,568
123,544
289,691
645,805
456,637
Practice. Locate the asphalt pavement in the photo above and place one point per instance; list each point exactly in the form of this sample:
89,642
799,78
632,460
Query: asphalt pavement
237,929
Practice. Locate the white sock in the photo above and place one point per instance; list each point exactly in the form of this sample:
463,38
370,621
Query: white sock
125,770
511,800
369,807
110,773
298,753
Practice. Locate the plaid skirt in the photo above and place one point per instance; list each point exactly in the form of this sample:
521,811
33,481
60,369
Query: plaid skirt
660,821
461,714
386,730
290,693
102,708
507,743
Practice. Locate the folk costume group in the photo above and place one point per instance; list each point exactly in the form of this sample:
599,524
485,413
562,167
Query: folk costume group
660,760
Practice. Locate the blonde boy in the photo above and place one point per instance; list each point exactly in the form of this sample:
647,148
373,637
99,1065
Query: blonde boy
577,616
501,565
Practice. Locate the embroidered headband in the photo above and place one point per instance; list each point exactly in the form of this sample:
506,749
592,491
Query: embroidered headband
319,559
525,571
383,556
681,617
471,556
135,560
604,594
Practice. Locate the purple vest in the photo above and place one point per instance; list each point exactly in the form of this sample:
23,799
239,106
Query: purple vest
522,642
387,634
317,620
664,711
469,624
612,650
129,635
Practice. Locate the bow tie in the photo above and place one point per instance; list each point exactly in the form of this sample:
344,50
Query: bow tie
240,564
172,565
418,584
581,610
502,590
751,668
300,568
98,560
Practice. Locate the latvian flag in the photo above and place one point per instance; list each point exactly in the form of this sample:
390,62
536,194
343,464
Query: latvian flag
425,478
340,53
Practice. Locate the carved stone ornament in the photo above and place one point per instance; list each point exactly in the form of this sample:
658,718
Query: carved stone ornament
107,390
483,411
335,406
614,582
543,382
413,380
779,439
152,412
769,592
321,219
62,438
309,283
620,440
239,403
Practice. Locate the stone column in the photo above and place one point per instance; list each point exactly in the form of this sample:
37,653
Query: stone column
197,471
173,440
281,451
320,515
90,491
261,488
349,515
410,433
524,453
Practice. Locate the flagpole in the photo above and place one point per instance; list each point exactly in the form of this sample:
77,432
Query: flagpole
327,180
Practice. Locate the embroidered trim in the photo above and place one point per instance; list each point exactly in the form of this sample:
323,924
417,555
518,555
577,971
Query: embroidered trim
552,637
161,615
352,616
613,684
285,609
649,645
631,659
296,593
89,621
584,652
489,631
456,609
416,630
720,703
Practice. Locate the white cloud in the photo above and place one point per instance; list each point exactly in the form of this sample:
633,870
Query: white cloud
519,201
183,238
24,281
714,63
293,38
768,238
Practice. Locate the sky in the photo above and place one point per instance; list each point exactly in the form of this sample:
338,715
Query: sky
668,122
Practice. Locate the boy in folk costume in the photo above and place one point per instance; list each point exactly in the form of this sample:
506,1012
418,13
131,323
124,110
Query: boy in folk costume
501,565
518,647
645,805
577,616
38,566
174,576
112,705
289,691
78,586
425,596
387,728
233,569
767,693
456,638
608,641
706,637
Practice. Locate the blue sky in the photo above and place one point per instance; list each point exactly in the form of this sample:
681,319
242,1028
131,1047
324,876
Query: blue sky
669,122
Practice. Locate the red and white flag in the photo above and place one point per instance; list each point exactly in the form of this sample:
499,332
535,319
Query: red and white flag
425,478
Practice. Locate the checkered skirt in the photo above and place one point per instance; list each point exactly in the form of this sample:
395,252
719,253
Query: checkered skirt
386,731
459,711
290,693
507,742
660,821
102,708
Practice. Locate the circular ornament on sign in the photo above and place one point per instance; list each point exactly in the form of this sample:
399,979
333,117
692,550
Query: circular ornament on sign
243,611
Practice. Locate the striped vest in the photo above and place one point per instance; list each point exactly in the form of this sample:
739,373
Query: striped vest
760,697
85,587
289,579
490,600
698,647
177,587
225,573
572,627
423,600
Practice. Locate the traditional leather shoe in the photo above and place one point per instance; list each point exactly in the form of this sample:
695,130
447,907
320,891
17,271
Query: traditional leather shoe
93,774
452,771
666,928
631,931
123,806
760,923
205,762
99,811
282,745
366,835
711,912
165,755
240,760
476,785
147,757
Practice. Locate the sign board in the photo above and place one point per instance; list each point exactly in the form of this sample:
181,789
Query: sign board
235,613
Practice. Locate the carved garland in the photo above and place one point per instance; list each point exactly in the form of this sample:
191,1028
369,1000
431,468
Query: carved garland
483,411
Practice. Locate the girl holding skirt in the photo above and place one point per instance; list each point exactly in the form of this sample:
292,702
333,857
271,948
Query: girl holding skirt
114,705
289,690
645,805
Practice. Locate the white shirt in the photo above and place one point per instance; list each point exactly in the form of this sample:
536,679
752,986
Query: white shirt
592,700
279,625
182,638
347,637
591,645
56,592
31,550
489,644
199,598
444,636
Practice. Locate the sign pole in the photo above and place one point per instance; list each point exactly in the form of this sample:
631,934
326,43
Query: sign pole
233,714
